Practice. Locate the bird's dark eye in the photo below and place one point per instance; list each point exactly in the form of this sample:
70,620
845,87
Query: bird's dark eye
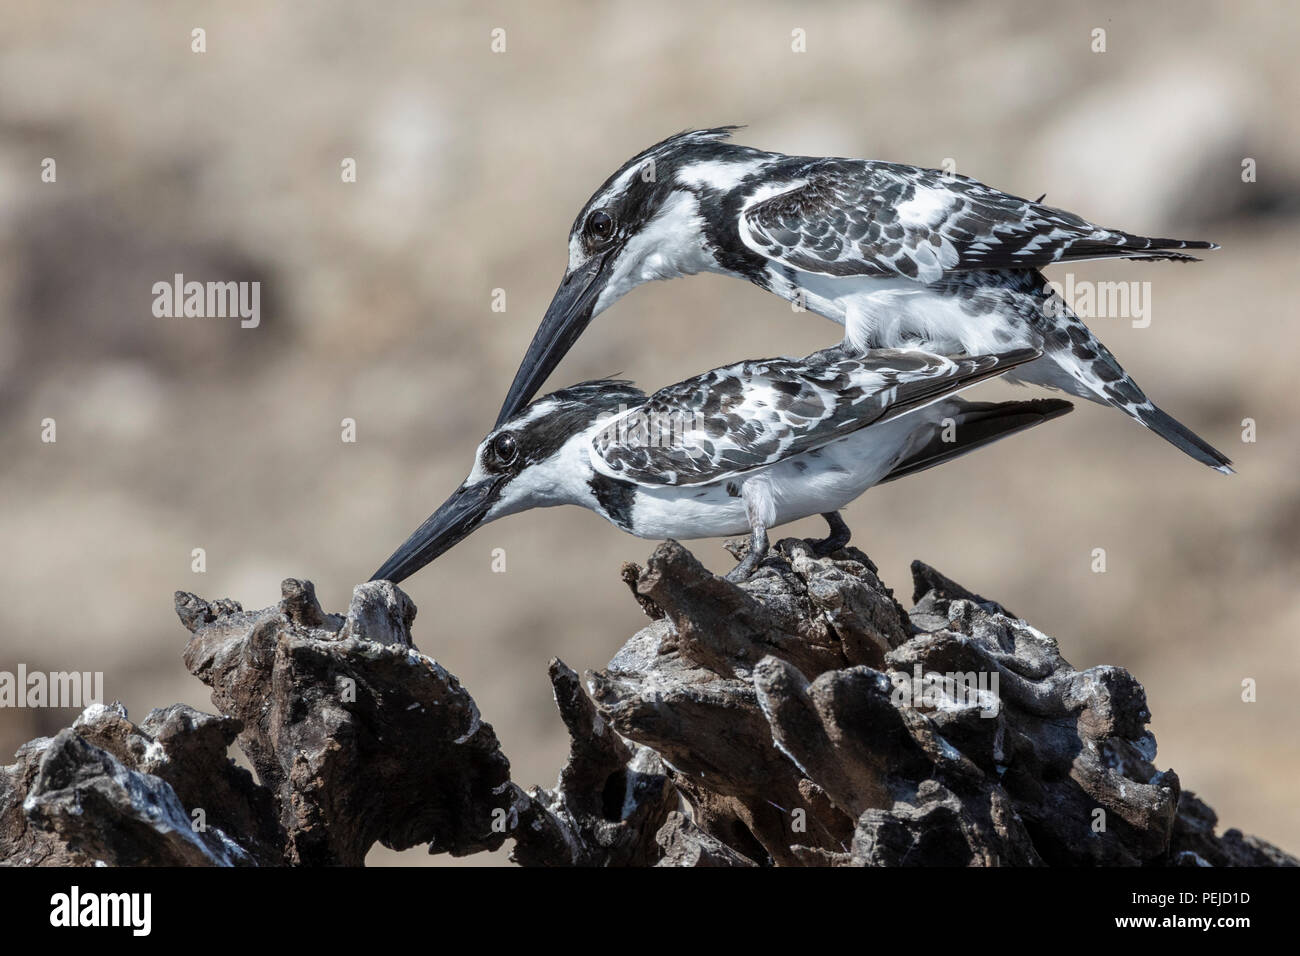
600,225
504,449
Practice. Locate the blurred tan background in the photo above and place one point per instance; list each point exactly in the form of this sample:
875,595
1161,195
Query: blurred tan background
175,434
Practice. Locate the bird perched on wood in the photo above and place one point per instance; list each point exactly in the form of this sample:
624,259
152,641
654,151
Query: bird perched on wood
742,448
903,257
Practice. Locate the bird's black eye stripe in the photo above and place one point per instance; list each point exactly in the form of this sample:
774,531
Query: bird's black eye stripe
599,225
503,450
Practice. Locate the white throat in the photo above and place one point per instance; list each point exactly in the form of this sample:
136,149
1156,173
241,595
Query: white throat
671,245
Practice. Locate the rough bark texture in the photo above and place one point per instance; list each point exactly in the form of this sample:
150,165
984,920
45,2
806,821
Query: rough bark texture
801,719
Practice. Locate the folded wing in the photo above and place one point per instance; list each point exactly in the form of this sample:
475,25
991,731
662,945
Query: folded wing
843,217
752,414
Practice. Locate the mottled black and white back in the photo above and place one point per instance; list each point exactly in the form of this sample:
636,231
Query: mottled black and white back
754,444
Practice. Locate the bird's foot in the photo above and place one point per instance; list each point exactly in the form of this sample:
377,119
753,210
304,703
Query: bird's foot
758,548
837,539
744,570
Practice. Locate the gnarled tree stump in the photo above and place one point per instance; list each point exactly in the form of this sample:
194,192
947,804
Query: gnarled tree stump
803,718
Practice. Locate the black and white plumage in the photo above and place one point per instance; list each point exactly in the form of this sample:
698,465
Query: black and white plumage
843,217
741,448
757,413
903,257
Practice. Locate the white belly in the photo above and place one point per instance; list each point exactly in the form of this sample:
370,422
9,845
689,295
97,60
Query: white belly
902,313
798,487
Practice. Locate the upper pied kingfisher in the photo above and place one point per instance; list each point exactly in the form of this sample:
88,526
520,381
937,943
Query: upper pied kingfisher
903,257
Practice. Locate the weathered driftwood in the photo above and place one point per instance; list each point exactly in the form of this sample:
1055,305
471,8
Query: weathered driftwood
803,718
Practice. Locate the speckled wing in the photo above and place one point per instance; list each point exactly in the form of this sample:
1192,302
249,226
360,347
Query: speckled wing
745,416
843,217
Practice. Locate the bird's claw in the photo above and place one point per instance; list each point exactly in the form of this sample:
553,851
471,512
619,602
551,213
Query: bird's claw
744,569
837,539
758,548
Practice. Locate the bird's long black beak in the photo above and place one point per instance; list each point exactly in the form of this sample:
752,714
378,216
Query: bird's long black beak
566,318
459,515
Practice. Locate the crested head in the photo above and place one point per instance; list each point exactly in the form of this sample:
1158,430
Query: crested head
633,184
536,456
647,221
644,222
534,459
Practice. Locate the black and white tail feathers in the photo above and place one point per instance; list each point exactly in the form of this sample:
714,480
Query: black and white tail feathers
1123,245
977,424
1074,359
1102,379
1098,376
1182,437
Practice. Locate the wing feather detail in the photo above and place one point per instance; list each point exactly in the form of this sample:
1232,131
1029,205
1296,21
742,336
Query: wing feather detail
844,217
741,417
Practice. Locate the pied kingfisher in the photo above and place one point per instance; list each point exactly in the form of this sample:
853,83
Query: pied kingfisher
902,257
742,448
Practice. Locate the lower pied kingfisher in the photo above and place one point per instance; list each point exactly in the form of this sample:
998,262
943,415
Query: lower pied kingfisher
902,257
742,448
